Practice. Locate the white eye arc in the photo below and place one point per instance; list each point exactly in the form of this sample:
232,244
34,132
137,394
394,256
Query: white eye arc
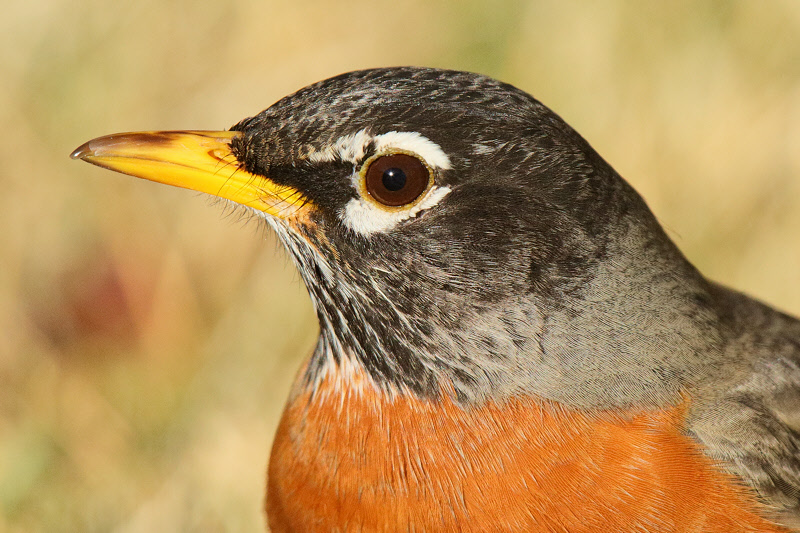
365,217
414,143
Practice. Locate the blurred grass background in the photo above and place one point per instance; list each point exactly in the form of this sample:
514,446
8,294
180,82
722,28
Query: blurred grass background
147,341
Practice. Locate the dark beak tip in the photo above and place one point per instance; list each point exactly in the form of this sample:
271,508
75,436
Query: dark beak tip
81,152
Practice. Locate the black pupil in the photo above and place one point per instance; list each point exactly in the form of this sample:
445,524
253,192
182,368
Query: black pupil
394,179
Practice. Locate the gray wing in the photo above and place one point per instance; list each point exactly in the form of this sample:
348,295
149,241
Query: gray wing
749,421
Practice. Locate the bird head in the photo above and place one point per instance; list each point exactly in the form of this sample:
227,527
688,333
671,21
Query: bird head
455,236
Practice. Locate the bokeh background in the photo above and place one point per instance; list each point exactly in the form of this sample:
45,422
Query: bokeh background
148,338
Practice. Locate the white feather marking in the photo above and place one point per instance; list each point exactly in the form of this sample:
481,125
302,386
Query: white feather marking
350,148
366,218
482,149
411,141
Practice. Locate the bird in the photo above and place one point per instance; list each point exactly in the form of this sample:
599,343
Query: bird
508,338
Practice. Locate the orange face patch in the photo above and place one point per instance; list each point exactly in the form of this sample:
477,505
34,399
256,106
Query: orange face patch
358,459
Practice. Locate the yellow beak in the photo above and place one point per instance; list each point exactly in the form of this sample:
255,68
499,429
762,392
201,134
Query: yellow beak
197,160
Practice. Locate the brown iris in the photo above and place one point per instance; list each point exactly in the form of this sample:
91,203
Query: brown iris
396,179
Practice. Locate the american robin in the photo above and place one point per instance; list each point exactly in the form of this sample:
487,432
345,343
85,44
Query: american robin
508,339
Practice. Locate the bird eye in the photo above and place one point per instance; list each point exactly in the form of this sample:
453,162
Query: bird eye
396,179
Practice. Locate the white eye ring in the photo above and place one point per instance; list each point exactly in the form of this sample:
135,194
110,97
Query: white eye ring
413,143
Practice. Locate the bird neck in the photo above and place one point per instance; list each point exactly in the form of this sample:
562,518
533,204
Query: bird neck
616,322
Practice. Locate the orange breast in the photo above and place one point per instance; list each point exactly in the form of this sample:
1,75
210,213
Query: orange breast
355,459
